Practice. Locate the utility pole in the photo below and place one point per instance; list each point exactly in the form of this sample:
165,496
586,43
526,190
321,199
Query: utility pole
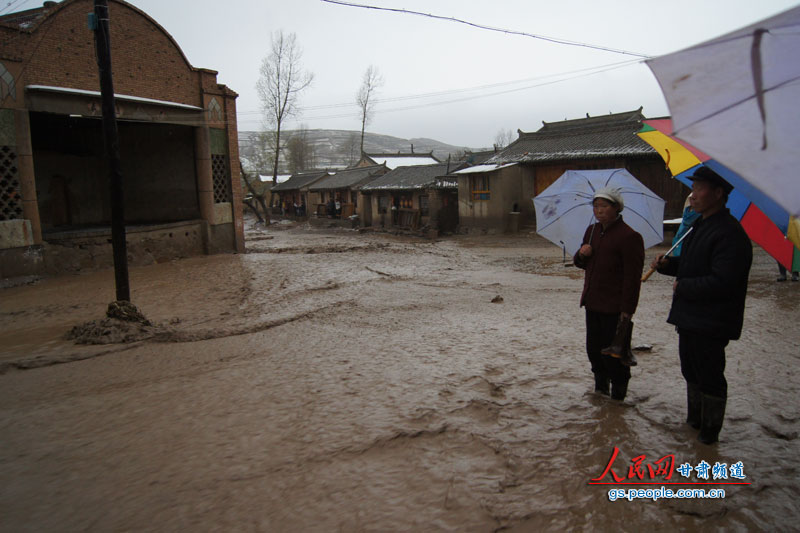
102,40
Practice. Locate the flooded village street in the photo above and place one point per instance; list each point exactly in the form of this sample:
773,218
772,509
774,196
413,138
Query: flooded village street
331,380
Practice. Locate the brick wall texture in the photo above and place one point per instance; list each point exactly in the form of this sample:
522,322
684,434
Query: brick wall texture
146,61
58,50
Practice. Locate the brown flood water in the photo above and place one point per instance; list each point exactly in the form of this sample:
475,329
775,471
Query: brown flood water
334,381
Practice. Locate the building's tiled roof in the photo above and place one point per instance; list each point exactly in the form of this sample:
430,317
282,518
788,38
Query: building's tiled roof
475,169
347,178
411,177
300,180
477,158
403,159
586,138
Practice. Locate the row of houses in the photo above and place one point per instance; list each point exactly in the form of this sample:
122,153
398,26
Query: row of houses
179,148
487,191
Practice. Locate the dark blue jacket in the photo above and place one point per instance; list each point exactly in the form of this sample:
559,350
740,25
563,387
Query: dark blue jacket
712,273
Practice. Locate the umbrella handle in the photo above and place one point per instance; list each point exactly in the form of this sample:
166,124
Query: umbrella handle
650,272
647,274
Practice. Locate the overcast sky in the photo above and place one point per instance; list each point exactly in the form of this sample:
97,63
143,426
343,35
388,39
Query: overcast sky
487,81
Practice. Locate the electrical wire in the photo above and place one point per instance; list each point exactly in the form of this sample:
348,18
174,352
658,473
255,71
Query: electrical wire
581,74
587,71
491,28
243,116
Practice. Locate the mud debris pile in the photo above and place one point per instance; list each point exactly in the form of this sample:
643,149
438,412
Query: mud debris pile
123,324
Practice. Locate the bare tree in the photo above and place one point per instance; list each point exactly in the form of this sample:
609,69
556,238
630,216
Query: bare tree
258,195
262,152
301,151
349,149
371,82
503,138
281,81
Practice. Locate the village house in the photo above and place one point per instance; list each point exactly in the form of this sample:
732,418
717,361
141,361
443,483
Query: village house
497,196
392,161
178,144
413,197
291,198
342,186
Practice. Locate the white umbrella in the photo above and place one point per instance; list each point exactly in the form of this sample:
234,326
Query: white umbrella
737,98
564,209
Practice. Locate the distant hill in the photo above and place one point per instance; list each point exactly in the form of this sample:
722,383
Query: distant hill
339,148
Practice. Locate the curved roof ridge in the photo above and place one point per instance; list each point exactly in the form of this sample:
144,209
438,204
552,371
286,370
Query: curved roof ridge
46,13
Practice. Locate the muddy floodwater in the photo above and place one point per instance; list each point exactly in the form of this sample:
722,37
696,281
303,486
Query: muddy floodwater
331,380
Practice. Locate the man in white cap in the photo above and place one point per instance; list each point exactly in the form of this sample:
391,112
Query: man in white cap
612,255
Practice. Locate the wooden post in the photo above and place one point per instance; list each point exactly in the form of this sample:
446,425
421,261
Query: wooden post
102,40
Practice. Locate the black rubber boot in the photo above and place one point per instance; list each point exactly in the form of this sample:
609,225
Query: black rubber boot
713,413
619,389
601,384
621,345
694,403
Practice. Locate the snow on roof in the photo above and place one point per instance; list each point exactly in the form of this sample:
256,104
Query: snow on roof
394,162
482,168
117,96
281,177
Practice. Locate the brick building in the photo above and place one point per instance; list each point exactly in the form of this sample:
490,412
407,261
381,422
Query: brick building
178,144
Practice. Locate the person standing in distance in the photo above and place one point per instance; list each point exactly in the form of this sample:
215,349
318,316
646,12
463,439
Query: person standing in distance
708,299
612,255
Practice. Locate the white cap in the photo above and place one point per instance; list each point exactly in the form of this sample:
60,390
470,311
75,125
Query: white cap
612,195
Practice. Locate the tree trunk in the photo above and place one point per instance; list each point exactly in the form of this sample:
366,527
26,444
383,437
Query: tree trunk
259,198
363,125
277,155
249,204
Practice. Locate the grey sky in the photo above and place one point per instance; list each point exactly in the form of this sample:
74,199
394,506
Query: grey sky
418,55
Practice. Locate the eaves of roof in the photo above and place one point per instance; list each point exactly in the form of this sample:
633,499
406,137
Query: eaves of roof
408,178
347,178
298,181
597,141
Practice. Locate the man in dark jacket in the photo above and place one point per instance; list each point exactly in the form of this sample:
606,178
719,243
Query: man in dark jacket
708,299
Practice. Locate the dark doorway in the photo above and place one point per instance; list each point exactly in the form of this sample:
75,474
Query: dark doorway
158,172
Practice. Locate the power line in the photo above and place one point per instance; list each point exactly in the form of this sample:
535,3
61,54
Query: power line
491,28
571,75
447,92
562,77
454,101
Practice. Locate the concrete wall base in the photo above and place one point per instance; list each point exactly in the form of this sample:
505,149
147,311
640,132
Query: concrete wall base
72,251
90,249
23,261
219,238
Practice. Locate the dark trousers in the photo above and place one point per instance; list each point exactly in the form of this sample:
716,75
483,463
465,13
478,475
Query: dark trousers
600,330
703,362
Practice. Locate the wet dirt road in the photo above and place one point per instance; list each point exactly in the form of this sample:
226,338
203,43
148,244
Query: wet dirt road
334,381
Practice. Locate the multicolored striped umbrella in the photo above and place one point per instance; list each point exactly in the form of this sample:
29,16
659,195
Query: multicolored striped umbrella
766,223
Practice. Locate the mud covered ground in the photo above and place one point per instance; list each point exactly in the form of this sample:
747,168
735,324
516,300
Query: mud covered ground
330,380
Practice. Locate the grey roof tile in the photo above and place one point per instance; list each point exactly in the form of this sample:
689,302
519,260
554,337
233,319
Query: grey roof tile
347,178
300,180
411,177
587,138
